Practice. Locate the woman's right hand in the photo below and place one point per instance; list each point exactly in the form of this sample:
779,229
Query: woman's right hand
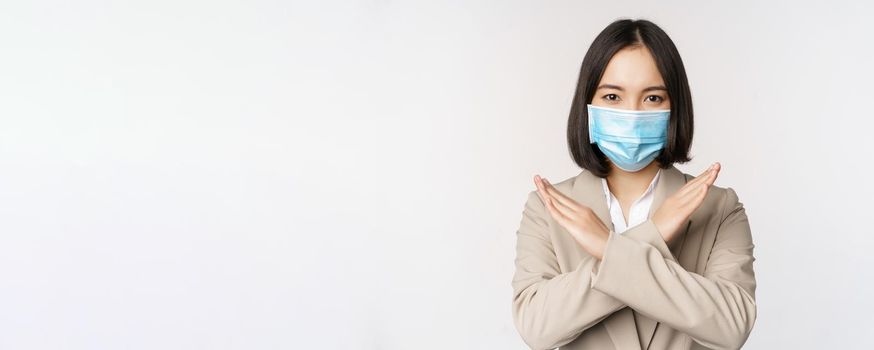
680,205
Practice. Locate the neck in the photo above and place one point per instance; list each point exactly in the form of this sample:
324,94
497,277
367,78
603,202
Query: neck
630,185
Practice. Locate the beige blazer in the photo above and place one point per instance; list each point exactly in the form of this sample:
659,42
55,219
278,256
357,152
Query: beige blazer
697,293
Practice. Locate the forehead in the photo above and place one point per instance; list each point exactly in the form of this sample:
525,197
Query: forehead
632,67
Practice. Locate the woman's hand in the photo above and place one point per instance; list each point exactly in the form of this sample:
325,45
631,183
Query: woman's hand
579,220
679,206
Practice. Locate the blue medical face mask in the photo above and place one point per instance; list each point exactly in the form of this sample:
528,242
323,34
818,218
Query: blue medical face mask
631,139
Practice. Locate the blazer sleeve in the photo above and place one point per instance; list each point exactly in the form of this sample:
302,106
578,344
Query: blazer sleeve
716,309
551,308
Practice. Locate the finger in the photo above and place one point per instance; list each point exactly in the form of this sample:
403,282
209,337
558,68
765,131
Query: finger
542,191
716,170
704,173
700,177
539,185
711,167
692,185
705,180
693,190
550,205
561,197
562,220
569,212
696,197
710,180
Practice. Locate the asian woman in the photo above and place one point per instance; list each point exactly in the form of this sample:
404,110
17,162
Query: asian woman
632,253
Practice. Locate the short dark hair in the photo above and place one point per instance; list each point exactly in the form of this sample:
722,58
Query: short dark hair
620,34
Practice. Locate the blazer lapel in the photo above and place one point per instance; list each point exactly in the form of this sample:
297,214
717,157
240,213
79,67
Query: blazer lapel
589,191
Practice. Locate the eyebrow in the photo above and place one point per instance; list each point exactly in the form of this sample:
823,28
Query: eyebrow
617,87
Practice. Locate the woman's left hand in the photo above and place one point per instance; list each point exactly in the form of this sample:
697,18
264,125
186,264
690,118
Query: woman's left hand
579,220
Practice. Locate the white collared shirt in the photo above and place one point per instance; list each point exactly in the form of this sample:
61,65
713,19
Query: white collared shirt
639,211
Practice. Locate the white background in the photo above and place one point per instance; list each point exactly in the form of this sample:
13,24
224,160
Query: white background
275,175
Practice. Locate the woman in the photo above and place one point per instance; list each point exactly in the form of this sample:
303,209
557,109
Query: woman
632,253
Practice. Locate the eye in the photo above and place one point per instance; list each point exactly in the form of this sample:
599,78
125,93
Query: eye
656,98
611,97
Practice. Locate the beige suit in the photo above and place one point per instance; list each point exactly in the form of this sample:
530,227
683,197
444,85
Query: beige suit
697,293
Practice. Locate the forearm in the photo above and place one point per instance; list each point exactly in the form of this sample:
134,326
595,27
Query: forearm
716,312
553,312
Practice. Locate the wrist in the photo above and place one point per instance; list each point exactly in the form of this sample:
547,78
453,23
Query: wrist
600,245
